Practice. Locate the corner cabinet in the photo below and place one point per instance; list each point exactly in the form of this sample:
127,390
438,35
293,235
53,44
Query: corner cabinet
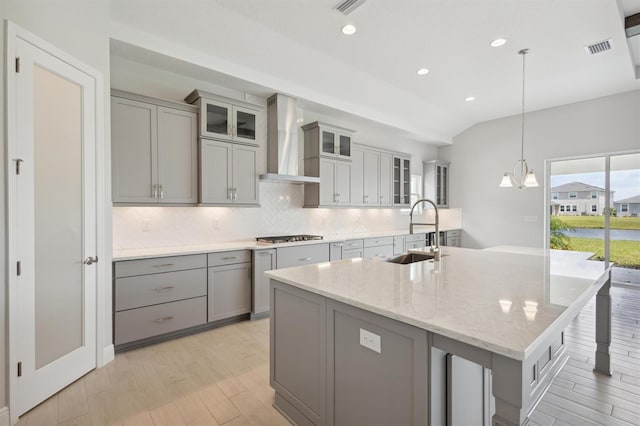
228,173
227,119
436,182
154,151
401,181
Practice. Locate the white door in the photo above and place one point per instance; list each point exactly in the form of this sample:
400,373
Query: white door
52,209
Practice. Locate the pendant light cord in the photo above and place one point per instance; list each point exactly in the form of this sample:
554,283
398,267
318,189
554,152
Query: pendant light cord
523,52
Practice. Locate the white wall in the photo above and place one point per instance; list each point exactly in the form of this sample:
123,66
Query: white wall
80,28
480,155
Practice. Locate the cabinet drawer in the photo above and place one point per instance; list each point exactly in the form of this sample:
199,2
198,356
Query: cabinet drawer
302,255
145,290
375,242
150,321
416,244
128,268
454,233
353,244
229,257
381,251
453,242
353,253
422,236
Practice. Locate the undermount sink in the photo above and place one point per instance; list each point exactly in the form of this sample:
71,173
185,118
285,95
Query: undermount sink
407,258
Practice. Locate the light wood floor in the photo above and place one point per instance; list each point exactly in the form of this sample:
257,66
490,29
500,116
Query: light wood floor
221,377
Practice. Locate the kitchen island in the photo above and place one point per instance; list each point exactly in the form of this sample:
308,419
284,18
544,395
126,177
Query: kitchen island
353,341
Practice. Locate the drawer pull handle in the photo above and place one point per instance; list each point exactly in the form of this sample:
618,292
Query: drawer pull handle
337,245
228,258
162,289
164,265
163,319
304,259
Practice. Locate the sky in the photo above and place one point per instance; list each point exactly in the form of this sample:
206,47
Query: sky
625,183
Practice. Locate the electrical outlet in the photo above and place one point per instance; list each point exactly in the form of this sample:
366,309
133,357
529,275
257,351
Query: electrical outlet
146,225
216,224
370,340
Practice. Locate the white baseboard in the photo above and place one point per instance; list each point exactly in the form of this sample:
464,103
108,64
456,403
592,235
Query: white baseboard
4,417
108,354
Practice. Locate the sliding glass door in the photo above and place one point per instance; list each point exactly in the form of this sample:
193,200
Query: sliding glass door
594,210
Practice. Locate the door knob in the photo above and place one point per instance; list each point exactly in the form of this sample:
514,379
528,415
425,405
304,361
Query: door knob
91,260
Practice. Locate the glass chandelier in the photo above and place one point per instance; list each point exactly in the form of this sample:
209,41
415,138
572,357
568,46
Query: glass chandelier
521,176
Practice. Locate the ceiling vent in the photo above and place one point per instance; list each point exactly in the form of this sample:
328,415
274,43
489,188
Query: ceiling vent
599,47
348,6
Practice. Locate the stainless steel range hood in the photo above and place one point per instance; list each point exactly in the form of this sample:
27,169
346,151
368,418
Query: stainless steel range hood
282,142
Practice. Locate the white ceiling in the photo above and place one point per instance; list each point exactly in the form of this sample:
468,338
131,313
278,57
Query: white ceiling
295,46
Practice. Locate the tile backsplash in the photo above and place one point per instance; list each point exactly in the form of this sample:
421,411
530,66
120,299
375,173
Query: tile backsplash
281,213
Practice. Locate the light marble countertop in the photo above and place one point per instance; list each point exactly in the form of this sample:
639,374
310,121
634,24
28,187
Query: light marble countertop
149,252
499,301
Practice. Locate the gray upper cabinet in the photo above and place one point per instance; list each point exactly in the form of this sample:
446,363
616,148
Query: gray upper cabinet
334,189
228,173
436,182
371,178
154,151
386,166
324,140
401,181
227,119
357,176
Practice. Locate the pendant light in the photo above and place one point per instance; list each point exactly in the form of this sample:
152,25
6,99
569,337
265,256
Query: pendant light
521,176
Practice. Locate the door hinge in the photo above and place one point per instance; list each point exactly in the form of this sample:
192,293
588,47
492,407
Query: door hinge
20,369
18,268
18,65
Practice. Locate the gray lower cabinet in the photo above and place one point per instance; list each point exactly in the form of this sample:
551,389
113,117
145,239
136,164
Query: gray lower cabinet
229,284
302,255
335,251
263,261
157,296
414,241
453,238
399,244
323,374
378,247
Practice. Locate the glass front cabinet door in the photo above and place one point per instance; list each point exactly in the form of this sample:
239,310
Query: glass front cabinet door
323,140
401,181
216,119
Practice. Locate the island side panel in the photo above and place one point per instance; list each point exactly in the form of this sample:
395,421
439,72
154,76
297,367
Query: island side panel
297,353
385,383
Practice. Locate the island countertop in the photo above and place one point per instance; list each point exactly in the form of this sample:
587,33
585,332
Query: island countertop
502,302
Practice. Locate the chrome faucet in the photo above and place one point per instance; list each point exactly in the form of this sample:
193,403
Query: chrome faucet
435,250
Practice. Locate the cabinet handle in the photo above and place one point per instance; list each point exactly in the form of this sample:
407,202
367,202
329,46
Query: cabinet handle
91,260
228,258
381,197
230,193
163,319
164,265
228,129
304,259
366,199
161,191
337,245
163,289
234,193
154,191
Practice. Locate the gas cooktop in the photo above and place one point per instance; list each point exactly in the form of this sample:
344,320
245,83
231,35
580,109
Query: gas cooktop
287,239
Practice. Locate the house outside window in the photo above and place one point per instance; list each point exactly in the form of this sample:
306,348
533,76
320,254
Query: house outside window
624,208
574,208
573,195
594,194
594,208
554,196
562,207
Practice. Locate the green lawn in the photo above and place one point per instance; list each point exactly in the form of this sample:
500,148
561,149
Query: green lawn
623,253
598,222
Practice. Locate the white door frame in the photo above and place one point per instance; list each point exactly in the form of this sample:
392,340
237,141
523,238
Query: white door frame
104,349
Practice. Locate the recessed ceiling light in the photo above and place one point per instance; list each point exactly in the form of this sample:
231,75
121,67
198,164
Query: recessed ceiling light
423,71
348,29
498,42
470,98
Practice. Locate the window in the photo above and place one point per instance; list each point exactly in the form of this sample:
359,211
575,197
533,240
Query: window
594,208
574,208
594,194
573,195
624,208
561,208
554,195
